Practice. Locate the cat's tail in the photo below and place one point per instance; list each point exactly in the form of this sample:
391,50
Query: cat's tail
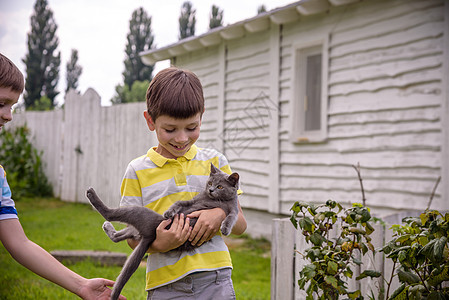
97,203
131,265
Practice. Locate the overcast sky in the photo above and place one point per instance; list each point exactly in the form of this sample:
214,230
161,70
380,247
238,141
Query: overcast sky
98,29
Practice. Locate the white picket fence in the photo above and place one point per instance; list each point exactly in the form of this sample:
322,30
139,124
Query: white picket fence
286,262
88,145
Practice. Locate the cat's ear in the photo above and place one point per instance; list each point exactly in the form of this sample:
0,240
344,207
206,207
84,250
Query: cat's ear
213,169
233,179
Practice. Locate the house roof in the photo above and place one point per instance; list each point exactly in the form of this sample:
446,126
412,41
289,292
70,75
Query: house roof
261,22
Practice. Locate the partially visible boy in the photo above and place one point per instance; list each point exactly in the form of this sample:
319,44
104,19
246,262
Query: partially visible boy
178,170
24,251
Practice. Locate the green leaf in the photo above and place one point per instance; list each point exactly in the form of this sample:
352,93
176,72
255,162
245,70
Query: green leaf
355,294
348,272
368,228
309,271
294,221
307,224
369,273
402,255
357,261
312,210
316,239
296,208
424,217
331,203
408,277
366,216
403,238
428,249
439,248
397,293
332,267
437,295
331,280
438,276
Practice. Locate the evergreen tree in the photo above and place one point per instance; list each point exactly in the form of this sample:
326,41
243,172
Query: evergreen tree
140,38
261,9
187,20
73,71
42,64
216,17
135,93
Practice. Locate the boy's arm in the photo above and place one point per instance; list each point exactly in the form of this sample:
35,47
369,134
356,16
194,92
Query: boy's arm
39,261
168,239
209,223
240,225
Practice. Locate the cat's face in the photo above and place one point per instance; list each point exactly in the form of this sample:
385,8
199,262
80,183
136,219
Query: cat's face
220,185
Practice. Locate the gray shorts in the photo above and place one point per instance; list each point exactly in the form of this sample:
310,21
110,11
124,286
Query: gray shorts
201,285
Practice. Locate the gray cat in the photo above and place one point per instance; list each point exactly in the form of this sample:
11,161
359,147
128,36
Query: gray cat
221,191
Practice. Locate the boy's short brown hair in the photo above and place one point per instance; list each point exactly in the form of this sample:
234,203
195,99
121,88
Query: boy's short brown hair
176,93
10,75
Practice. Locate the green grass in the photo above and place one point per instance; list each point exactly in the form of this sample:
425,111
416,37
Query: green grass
57,225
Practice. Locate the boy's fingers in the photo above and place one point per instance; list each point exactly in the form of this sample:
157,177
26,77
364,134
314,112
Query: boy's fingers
198,235
174,226
164,223
181,221
194,214
186,230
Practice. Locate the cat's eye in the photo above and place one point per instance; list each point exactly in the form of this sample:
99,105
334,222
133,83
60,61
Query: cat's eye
209,183
220,187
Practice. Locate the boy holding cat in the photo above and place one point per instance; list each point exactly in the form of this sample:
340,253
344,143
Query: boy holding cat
12,236
178,170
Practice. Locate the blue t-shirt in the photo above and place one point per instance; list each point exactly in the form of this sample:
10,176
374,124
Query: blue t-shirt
7,207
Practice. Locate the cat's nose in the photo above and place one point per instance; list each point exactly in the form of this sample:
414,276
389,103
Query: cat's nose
211,190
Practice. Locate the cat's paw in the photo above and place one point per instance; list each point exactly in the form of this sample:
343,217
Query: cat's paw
226,230
108,227
170,213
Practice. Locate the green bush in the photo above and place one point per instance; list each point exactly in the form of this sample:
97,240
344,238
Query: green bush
420,253
419,250
23,164
330,260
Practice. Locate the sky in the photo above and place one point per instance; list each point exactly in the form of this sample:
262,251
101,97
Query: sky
98,29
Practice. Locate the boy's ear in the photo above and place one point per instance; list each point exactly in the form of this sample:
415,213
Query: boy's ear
149,120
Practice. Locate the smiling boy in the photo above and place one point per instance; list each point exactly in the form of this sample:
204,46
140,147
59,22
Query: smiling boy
176,169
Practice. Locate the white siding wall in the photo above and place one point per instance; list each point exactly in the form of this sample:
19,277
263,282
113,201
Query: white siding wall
239,125
385,72
205,66
247,115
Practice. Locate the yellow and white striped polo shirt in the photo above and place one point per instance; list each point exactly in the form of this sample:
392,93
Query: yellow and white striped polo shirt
157,182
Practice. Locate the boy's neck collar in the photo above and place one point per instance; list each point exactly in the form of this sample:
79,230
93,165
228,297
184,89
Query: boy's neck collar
160,160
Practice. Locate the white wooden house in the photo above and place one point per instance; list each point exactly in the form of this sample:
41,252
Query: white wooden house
297,95
294,97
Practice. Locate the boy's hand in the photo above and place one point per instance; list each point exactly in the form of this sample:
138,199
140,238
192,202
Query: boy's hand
97,288
168,239
207,225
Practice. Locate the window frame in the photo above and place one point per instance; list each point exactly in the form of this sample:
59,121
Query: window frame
300,52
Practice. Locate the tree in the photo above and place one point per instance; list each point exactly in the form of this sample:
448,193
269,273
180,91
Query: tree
73,71
140,38
261,9
187,20
135,93
42,64
216,17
